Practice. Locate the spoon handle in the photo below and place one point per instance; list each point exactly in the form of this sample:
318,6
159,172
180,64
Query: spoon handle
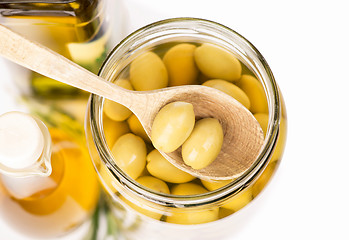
53,65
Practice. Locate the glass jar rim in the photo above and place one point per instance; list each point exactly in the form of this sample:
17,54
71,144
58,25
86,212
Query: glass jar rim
238,184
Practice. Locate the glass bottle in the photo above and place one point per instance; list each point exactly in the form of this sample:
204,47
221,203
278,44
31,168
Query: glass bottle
142,213
81,30
52,189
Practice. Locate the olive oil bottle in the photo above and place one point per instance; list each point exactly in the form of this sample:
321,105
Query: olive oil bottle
80,30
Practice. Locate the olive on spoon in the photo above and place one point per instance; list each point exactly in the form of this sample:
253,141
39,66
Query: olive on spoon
243,136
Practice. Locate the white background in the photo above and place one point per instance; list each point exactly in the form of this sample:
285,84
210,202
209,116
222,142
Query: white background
306,46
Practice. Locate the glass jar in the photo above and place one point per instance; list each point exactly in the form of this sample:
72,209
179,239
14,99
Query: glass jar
142,213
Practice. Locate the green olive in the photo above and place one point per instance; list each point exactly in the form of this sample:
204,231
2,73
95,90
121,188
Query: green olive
154,184
255,92
113,130
115,110
159,167
180,64
215,62
230,89
184,189
188,216
148,72
263,120
204,143
213,185
130,153
137,128
239,201
264,178
172,126
143,206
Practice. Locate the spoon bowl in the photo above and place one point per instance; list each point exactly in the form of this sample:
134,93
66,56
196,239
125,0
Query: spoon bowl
243,136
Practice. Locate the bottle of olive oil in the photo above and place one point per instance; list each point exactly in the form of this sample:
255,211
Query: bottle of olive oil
81,30
48,188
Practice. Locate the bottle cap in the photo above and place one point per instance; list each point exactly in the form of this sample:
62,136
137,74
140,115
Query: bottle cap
21,140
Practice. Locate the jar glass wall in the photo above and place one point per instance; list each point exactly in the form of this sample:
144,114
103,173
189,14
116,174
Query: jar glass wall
145,213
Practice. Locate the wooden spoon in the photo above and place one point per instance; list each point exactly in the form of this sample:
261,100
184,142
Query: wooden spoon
243,136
